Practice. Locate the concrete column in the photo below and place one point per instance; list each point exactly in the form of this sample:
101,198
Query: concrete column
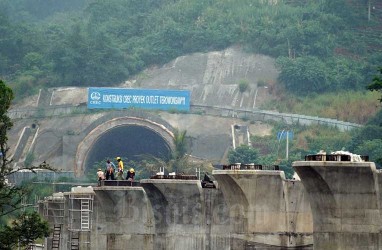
123,219
266,209
185,216
345,200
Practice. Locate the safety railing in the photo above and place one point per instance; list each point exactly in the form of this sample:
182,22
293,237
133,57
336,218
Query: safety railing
251,166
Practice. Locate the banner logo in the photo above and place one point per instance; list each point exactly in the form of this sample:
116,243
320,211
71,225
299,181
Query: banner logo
95,96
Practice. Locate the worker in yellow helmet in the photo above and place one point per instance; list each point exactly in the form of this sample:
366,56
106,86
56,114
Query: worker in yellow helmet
120,168
130,176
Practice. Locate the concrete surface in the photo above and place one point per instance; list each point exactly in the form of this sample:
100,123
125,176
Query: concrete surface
345,199
266,209
252,210
123,219
55,125
211,77
187,216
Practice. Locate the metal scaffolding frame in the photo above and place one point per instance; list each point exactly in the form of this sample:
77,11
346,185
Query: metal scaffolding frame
54,208
80,220
54,211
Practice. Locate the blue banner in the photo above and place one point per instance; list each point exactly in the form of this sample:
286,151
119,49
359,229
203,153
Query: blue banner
118,98
282,135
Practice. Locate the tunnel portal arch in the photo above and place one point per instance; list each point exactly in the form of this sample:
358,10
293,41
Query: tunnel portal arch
118,136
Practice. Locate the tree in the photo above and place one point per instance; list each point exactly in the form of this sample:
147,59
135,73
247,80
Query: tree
180,144
5,122
10,196
376,84
303,75
27,228
243,154
179,159
372,148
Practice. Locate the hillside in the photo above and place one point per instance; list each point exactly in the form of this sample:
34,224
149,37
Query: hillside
320,47
321,50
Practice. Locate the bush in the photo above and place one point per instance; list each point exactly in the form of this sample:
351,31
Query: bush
243,85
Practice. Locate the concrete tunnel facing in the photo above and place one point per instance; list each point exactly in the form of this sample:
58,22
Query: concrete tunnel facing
128,141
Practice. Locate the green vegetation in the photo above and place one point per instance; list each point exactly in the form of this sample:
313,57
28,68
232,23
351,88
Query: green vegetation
367,140
179,161
321,46
24,230
29,159
268,150
350,106
243,85
327,52
26,227
9,196
376,84
180,144
243,154
311,139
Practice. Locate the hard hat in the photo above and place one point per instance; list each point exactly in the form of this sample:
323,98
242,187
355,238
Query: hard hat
99,169
118,158
132,170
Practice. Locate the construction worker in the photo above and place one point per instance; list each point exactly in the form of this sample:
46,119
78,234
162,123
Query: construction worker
101,176
109,170
130,175
120,166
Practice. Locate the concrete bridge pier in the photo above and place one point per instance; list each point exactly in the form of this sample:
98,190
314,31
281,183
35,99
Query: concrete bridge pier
187,216
99,218
345,199
123,219
265,209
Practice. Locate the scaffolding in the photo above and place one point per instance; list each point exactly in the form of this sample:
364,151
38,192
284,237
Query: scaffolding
54,208
54,211
80,217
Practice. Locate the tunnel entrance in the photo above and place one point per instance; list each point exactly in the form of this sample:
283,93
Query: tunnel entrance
130,142
127,137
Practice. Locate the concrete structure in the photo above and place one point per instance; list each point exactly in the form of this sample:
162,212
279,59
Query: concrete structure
265,209
187,216
114,132
99,218
55,126
76,138
123,219
78,144
345,198
249,210
74,142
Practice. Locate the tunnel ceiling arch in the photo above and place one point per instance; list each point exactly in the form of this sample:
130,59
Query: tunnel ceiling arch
127,137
